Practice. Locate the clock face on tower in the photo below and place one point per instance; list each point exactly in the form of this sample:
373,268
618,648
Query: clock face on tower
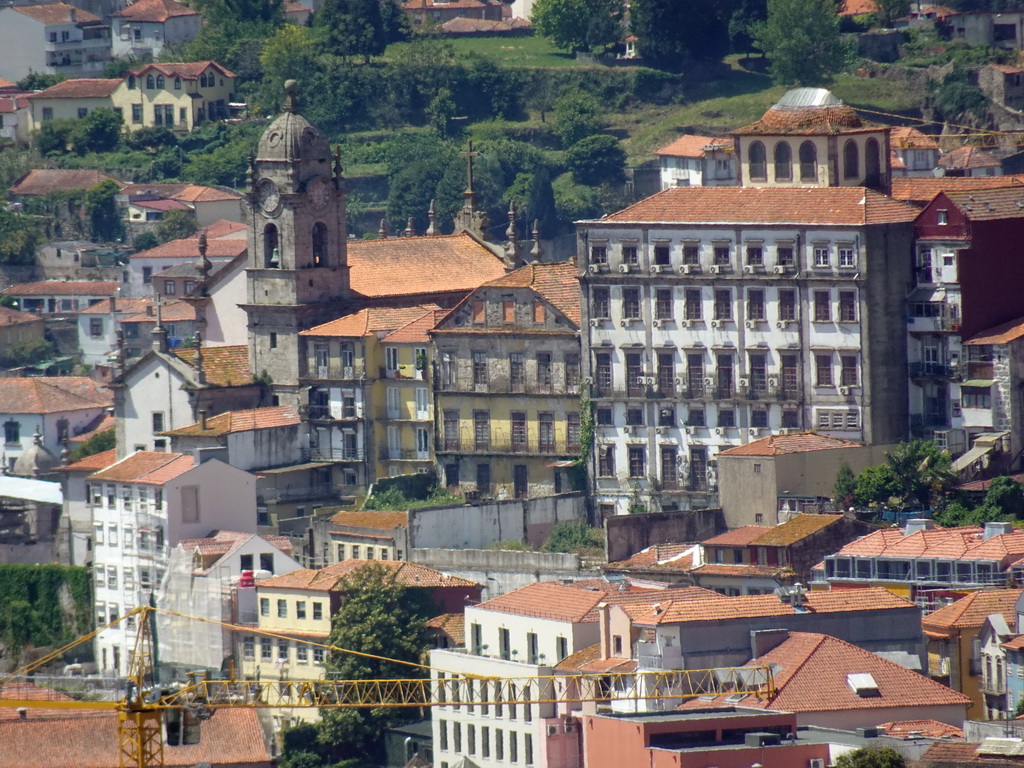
320,192
267,195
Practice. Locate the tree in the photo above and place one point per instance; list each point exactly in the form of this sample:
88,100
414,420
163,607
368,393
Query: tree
39,81
540,205
845,490
145,240
955,98
291,54
176,225
572,536
381,617
54,137
101,441
741,24
579,25
154,137
668,38
876,485
867,757
921,471
441,110
1006,496
19,236
577,115
352,28
98,131
802,42
101,210
597,160
890,10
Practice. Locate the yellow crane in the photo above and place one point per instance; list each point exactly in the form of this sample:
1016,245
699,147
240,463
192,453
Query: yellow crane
141,711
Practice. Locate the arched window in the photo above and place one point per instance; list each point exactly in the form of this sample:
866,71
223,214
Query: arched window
131,82
160,81
758,162
319,245
177,83
202,80
808,161
271,248
783,162
149,82
872,163
851,162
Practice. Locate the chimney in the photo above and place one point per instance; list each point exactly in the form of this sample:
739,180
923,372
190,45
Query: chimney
606,640
202,419
149,310
918,524
764,640
997,528
73,15
22,713
113,304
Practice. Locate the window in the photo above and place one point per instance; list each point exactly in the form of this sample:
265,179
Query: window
282,609
504,646
758,162
823,370
635,417
12,432
95,326
783,162
848,371
572,372
637,461
266,649
691,254
758,373
513,747
158,421
722,255
598,254
544,375
851,161
482,429
301,654
485,739
177,83
249,647
847,307
47,113
693,304
508,311
759,420
822,306
755,255
787,305
785,255
272,343
480,369
808,162
976,397
516,371
630,303
282,649
603,372
821,257
941,217
695,374
726,417
300,609
479,311
572,432
755,305
160,81
604,417
663,304
606,461
600,303
666,372
630,255
499,744
169,288
111,577
150,82
723,304
847,257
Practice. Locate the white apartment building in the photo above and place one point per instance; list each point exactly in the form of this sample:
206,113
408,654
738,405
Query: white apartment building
142,506
698,161
52,38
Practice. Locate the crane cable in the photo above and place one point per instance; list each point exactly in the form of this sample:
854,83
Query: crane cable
971,130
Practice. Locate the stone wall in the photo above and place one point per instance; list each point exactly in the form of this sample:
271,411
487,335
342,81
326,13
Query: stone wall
625,535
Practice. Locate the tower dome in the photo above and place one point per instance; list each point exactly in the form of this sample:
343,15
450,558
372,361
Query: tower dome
292,138
37,461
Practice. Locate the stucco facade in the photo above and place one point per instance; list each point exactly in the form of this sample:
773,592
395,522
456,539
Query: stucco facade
66,41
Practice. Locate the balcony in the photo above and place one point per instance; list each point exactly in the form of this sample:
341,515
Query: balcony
753,393
511,447
505,386
337,372
403,454
402,414
278,495
993,687
923,424
933,371
323,413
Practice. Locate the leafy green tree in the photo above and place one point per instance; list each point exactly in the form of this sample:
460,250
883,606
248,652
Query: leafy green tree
802,42
741,24
845,490
577,115
154,137
15,162
29,352
354,28
19,236
890,10
441,110
291,54
668,38
39,81
145,240
224,13
54,137
496,89
540,205
876,485
597,160
955,98
579,25
122,66
176,225
868,757
1007,496
922,472
101,210
381,617
572,536
225,165
98,131
98,443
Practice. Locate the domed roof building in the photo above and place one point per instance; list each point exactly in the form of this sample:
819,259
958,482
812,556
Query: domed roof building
37,461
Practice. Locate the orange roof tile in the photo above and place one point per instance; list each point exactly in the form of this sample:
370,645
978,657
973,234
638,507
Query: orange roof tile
123,306
968,157
43,181
983,485
907,137
694,146
188,248
416,332
857,7
720,607
223,543
557,282
451,624
795,529
812,121
7,84
972,609
811,676
1014,644
149,467
412,266
52,394
922,190
106,424
744,571
982,204
57,13
1001,334
384,521
947,754
665,556
637,602
965,543
194,193
841,206
174,312
64,288
10,316
738,537
780,445
548,600
929,729
223,366
93,463
331,578
240,421
81,88
589,659
157,11
370,320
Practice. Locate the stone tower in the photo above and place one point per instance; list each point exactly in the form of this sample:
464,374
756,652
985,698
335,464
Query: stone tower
298,263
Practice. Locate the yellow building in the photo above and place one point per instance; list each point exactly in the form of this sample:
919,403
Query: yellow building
507,385
174,96
17,328
370,401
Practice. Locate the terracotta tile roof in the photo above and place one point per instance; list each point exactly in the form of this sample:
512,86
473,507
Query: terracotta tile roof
52,394
451,624
293,7
224,366
226,229
720,607
106,424
416,332
965,543
149,467
983,204
952,754
812,121
154,11
1001,334
384,521
780,445
175,312
64,288
906,137
6,84
188,248
842,206
43,181
694,146
743,571
972,609
795,529
968,157
223,543
923,189
122,306
738,537
929,729
857,7
10,316
589,659
240,421
558,283
93,463
462,25
370,320
665,556
161,205
197,194
90,740
82,88
811,676
56,13
640,601
548,600
982,485
331,578
32,692
411,266
1014,644
11,104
